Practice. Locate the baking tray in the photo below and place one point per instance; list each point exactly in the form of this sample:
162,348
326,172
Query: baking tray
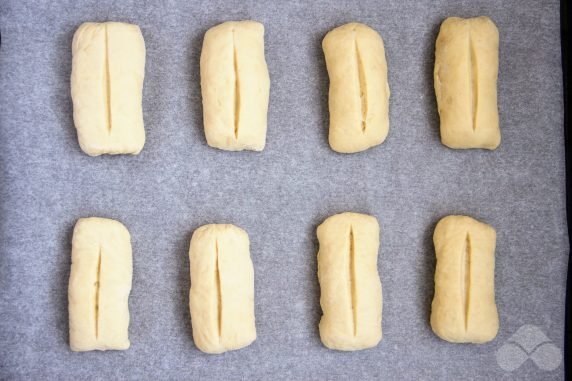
280,195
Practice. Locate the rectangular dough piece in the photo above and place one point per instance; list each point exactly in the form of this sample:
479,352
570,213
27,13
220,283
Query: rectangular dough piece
235,85
99,285
351,297
359,91
464,309
466,71
108,67
222,289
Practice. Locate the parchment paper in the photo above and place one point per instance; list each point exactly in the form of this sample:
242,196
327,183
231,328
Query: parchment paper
280,195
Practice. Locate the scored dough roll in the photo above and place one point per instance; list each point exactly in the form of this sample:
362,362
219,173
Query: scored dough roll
464,308
108,68
222,289
359,91
235,86
466,71
99,285
351,298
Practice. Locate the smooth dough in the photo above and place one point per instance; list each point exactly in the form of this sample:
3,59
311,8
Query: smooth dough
99,285
108,67
222,289
235,85
359,92
466,71
464,309
351,297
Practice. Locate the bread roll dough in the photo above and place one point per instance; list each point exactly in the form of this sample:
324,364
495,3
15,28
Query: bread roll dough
99,285
235,86
466,71
108,67
359,92
464,309
222,289
351,297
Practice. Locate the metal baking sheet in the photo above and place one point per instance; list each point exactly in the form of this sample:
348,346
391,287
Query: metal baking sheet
280,195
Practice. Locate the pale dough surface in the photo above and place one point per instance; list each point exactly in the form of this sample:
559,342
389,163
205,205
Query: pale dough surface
235,86
359,91
351,297
465,76
99,285
222,288
464,308
108,68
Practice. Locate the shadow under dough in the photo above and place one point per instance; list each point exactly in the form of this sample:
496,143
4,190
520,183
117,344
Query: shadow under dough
323,88
430,101
193,71
60,282
61,102
427,275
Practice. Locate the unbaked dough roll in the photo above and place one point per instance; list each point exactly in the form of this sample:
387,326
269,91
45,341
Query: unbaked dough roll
466,71
108,67
359,92
222,289
235,85
351,297
464,309
99,285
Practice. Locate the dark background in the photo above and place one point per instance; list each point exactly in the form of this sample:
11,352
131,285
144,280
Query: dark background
566,17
